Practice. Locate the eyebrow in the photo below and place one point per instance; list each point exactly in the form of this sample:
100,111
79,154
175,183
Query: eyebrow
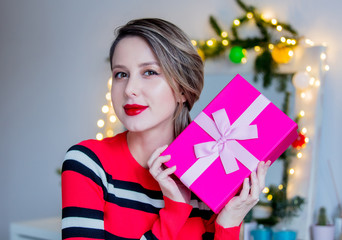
140,65
149,63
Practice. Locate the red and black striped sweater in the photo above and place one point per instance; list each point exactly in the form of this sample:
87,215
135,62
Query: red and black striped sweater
106,194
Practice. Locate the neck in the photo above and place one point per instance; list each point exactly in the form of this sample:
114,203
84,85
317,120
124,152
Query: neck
143,144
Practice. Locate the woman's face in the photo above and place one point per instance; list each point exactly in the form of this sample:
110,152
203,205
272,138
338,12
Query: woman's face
141,96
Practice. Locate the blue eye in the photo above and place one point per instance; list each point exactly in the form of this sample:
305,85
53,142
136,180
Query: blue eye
120,75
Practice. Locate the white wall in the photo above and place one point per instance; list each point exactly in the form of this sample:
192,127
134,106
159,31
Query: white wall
53,77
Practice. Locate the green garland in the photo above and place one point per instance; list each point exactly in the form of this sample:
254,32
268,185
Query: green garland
265,67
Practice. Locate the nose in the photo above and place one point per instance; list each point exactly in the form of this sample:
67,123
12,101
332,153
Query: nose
133,86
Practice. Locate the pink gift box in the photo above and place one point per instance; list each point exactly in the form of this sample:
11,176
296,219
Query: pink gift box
225,142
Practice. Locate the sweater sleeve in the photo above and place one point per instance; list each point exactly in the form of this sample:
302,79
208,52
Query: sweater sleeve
214,231
222,233
170,222
83,192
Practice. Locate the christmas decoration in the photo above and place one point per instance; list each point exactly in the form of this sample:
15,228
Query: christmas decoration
107,125
268,56
301,80
300,141
282,54
237,54
271,50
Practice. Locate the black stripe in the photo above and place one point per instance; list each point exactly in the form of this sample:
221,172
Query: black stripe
136,187
196,212
82,212
205,214
208,236
132,204
80,168
110,236
150,236
82,232
88,152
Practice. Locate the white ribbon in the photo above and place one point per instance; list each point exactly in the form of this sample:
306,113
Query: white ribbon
225,145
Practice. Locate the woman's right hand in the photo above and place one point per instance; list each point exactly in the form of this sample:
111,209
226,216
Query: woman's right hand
173,189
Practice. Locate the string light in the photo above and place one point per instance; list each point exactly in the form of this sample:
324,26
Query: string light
210,42
326,67
244,60
99,136
312,81
257,48
279,28
266,190
302,113
269,197
224,34
100,123
112,119
110,83
306,140
110,133
309,42
317,83
290,53
108,96
105,109
308,68
249,15
194,42
323,56
280,187
304,130
274,21
270,46
291,171
299,155
236,22
283,39
105,124
225,42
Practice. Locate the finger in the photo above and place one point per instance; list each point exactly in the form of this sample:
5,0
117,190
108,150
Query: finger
155,155
245,189
255,188
261,173
156,166
166,173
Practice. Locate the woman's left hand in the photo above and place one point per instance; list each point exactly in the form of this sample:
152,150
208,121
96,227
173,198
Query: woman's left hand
238,207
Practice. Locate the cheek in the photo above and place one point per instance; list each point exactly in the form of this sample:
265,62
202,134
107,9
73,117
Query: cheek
116,97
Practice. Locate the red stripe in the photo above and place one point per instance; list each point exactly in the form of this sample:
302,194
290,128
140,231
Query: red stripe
80,191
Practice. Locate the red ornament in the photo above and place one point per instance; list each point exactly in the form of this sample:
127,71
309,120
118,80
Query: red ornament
299,142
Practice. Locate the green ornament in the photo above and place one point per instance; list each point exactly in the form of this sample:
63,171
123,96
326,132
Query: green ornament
236,54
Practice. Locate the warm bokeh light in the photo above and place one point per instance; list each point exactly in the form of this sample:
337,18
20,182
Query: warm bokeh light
100,123
266,190
112,119
99,136
105,109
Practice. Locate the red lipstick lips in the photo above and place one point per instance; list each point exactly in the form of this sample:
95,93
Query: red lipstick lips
134,109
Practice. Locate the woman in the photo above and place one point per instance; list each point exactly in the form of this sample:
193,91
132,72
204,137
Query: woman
118,188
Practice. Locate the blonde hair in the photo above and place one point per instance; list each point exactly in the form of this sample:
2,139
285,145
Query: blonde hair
179,60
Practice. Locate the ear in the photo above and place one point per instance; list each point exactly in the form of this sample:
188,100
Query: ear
182,98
